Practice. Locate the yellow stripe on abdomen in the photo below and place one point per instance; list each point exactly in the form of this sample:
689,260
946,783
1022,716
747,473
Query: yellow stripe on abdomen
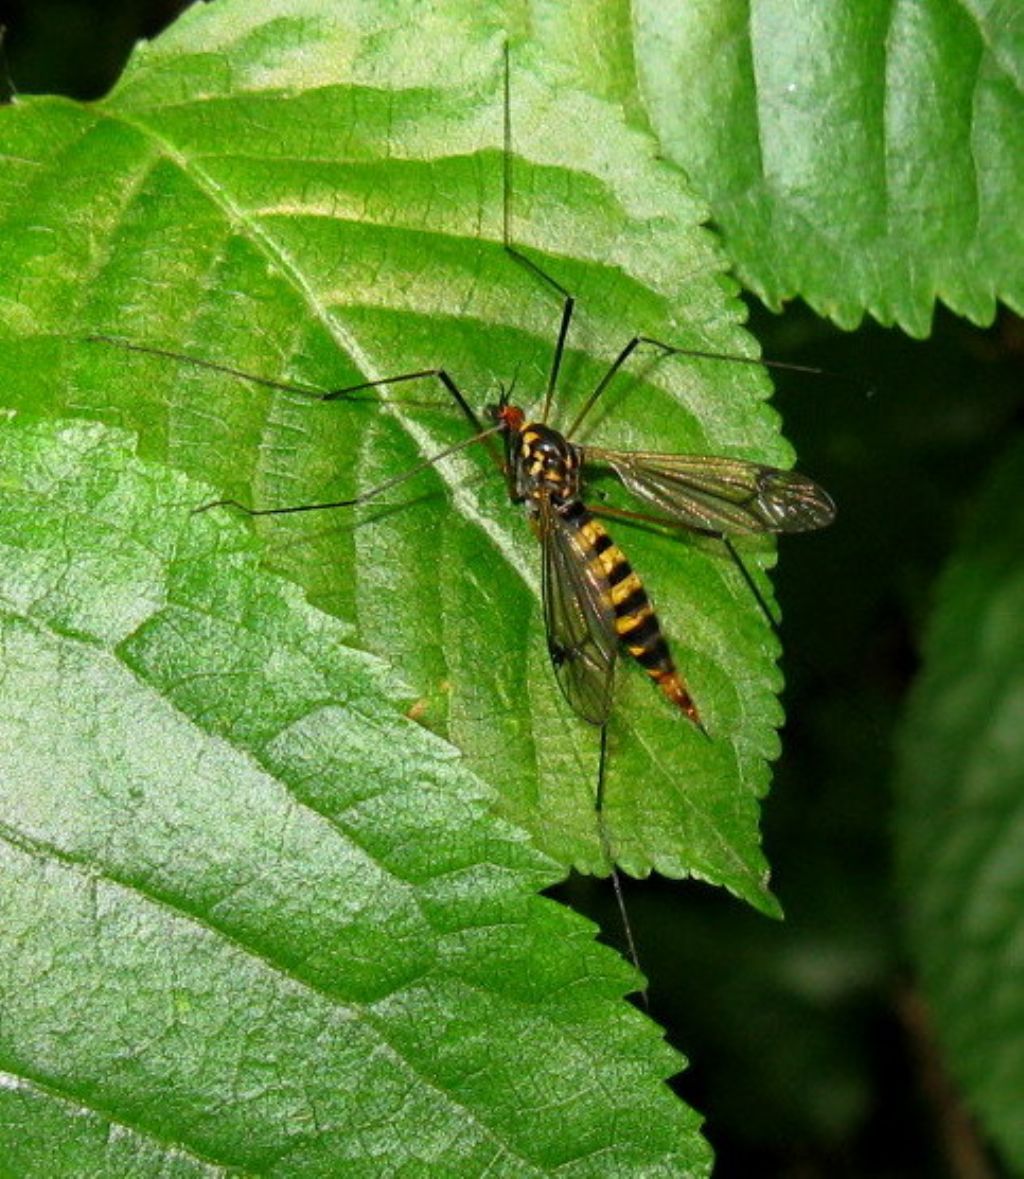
636,623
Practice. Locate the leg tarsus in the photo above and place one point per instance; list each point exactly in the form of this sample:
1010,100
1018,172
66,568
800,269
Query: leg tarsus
620,899
752,585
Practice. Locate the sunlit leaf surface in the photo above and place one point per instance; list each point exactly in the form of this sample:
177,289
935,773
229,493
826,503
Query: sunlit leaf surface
867,157
317,198
252,918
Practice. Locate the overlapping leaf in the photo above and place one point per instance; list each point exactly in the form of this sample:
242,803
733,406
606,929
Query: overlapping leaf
865,156
253,919
961,818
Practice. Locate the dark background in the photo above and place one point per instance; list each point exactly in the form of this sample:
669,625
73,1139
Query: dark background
811,1049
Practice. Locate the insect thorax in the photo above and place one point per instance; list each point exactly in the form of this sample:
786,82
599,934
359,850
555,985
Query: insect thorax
544,463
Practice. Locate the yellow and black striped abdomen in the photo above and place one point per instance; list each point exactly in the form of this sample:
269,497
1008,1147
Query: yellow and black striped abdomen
636,623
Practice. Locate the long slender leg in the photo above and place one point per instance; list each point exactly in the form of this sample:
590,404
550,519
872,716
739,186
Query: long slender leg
781,365
366,496
568,302
730,548
483,433
252,378
701,354
422,374
603,383
668,350
745,573
212,365
345,393
620,899
697,354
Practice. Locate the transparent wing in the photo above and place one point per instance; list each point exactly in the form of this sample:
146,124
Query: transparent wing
579,619
714,494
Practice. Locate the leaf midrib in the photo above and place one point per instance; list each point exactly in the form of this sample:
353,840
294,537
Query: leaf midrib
270,247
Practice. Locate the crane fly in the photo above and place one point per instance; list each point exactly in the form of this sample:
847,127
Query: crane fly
594,603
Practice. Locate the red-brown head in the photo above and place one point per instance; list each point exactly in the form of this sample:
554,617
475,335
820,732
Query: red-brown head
511,416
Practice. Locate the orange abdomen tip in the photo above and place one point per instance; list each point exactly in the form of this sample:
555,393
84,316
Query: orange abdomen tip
675,690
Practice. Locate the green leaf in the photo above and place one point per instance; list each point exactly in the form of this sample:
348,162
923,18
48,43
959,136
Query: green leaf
961,810
251,916
867,157
316,198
